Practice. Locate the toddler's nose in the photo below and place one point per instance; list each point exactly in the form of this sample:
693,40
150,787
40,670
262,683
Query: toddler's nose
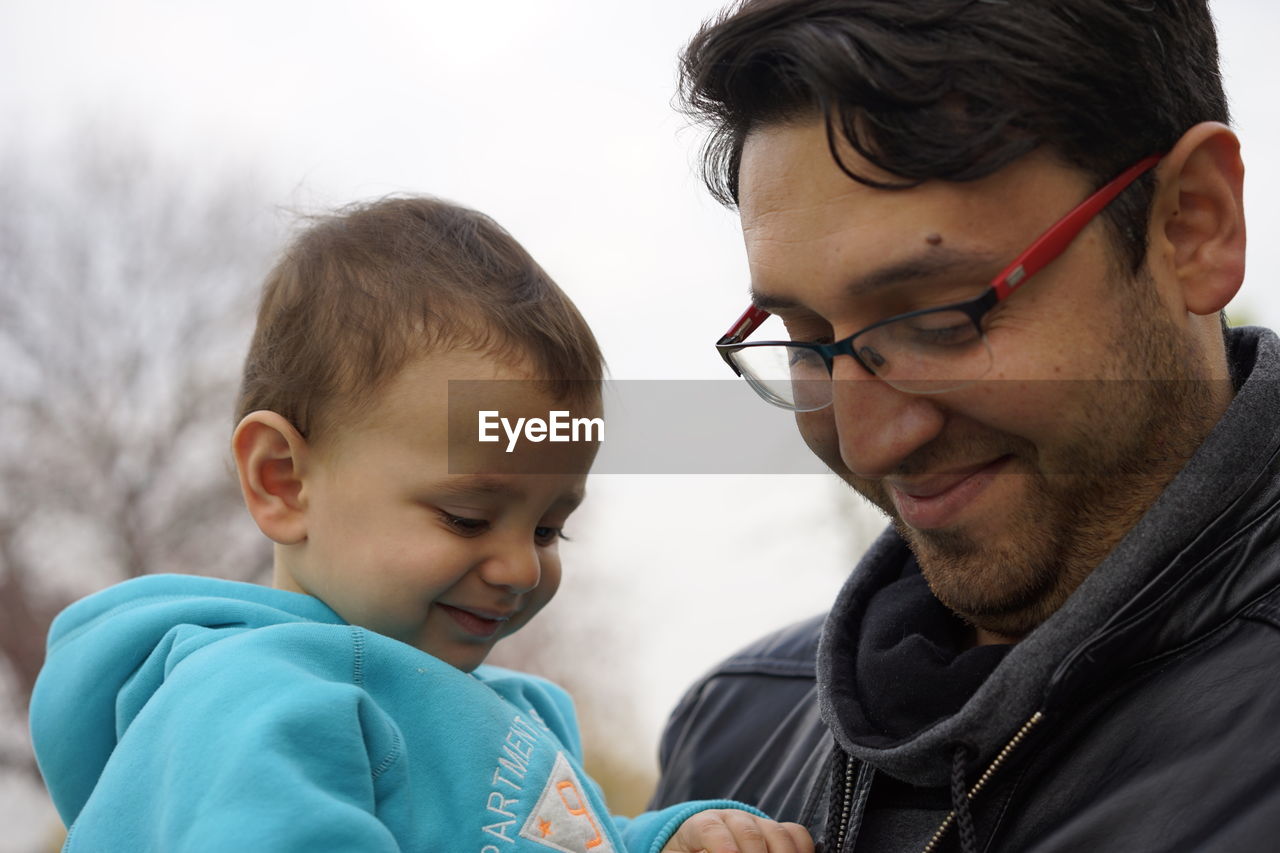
515,567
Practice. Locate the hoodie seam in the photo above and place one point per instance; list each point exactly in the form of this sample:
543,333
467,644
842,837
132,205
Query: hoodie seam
392,756
357,657
357,678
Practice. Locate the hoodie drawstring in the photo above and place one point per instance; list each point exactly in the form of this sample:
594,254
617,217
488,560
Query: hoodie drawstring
960,797
840,793
960,801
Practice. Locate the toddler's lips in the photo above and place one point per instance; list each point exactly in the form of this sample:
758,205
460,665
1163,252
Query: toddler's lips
480,623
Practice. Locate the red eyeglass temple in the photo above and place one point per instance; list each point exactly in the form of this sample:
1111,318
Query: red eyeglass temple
1054,242
744,325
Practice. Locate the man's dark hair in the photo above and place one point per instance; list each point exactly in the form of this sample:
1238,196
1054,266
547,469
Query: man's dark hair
957,89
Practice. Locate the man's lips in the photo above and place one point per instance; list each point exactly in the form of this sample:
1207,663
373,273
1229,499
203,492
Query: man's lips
477,621
936,500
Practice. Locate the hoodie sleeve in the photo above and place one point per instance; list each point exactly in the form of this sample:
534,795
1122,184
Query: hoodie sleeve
258,742
647,833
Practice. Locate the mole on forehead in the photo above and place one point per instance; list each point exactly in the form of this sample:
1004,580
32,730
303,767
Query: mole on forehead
933,239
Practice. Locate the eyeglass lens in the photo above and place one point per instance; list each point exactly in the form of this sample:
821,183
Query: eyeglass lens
924,354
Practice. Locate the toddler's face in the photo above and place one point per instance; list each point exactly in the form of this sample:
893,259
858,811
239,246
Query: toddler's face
449,563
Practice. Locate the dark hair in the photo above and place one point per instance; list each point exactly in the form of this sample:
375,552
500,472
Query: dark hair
957,89
361,291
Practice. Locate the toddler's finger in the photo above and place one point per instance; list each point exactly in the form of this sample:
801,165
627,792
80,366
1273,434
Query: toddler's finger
799,836
749,831
776,838
708,831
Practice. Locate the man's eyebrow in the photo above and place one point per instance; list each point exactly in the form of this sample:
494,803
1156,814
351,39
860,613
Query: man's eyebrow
927,265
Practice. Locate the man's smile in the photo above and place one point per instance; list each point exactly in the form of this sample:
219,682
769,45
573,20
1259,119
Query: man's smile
936,500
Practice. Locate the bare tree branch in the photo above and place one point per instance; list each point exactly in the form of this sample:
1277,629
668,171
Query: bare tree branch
127,292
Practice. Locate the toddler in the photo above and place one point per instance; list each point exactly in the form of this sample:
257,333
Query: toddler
347,708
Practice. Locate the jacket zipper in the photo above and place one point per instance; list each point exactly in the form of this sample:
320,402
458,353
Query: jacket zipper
986,777
846,809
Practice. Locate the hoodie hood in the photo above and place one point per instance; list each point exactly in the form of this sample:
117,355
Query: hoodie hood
1181,570
108,653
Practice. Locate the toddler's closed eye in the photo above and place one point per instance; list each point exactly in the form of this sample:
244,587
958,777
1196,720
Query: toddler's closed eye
548,535
464,526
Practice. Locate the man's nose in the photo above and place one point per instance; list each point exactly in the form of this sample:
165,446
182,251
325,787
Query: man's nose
878,426
513,565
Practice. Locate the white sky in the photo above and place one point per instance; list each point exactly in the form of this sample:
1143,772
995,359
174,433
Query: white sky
554,117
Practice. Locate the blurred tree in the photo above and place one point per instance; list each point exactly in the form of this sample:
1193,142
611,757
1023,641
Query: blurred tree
127,293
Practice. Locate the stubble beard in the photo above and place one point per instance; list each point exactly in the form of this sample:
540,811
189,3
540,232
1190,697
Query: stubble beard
1078,500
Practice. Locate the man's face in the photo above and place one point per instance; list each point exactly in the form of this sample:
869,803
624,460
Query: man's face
1011,489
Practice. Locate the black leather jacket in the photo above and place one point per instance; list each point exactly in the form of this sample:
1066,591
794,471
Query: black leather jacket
1143,716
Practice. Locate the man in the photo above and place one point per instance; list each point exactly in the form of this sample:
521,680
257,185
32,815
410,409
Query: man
1000,236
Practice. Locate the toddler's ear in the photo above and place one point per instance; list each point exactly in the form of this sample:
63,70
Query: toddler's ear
270,460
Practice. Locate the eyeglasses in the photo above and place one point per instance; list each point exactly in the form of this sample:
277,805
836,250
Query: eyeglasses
921,352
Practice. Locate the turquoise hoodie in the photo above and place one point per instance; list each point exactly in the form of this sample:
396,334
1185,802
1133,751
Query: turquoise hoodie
179,713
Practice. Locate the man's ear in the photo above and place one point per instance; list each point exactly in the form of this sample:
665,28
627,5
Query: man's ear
1198,216
271,461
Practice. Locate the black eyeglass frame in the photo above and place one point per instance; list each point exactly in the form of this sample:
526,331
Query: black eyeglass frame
975,309
1047,247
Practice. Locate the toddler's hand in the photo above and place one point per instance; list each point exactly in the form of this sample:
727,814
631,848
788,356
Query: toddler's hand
736,831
